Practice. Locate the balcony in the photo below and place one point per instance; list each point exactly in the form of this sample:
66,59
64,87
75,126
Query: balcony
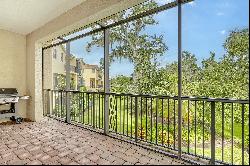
163,55
152,121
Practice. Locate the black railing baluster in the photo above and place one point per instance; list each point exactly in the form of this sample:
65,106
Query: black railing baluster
232,134
136,118
168,124
195,126
88,106
74,103
162,116
174,123
83,107
116,123
203,126
243,133
64,103
99,111
103,99
188,125
127,116
51,101
68,107
212,133
55,103
124,112
82,99
61,104
141,117
93,110
120,114
156,131
77,103
79,107
222,146
146,118
151,119
131,116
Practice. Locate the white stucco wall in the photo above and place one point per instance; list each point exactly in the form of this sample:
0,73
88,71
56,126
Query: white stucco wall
13,64
83,14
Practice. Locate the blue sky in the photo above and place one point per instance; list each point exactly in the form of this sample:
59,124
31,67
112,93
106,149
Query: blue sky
206,24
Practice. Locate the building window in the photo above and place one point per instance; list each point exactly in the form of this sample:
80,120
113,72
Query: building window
93,70
54,54
62,57
92,83
81,81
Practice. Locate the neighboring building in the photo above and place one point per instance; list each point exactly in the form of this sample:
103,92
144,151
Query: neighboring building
82,74
93,77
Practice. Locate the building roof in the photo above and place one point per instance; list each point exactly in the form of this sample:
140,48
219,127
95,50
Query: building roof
88,66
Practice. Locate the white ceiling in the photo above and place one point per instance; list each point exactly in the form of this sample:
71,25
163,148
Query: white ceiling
24,16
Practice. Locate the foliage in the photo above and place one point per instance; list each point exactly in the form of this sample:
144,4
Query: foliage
121,84
131,42
232,69
61,82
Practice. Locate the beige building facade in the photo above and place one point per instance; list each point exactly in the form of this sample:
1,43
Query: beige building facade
85,77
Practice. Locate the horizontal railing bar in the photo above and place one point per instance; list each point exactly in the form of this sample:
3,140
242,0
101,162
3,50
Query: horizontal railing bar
190,98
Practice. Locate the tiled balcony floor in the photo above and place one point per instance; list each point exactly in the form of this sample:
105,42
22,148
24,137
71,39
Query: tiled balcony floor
53,142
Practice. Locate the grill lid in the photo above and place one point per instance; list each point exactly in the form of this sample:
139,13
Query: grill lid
12,91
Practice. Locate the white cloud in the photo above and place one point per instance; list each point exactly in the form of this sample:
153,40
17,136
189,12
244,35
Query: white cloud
223,32
163,2
192,3
220,13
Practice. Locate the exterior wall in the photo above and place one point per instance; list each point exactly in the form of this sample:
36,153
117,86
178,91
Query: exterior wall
89,75
58,64
72,20
55,62
48,72
13,64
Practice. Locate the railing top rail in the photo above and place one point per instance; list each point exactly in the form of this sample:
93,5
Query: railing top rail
190,98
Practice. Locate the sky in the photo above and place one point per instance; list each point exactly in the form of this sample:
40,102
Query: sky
206,24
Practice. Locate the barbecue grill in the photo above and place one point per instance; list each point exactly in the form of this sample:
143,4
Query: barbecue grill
9,96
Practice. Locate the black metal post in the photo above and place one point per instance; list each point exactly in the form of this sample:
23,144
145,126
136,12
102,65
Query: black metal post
212,133
48,103
136,118
68,82
243,133
106,81
179,76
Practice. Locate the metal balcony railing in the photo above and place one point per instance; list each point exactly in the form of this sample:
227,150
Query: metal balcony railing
213,130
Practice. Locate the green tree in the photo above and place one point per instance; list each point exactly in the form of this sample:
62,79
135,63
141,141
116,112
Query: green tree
121,84
228,77
190,74
130,41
